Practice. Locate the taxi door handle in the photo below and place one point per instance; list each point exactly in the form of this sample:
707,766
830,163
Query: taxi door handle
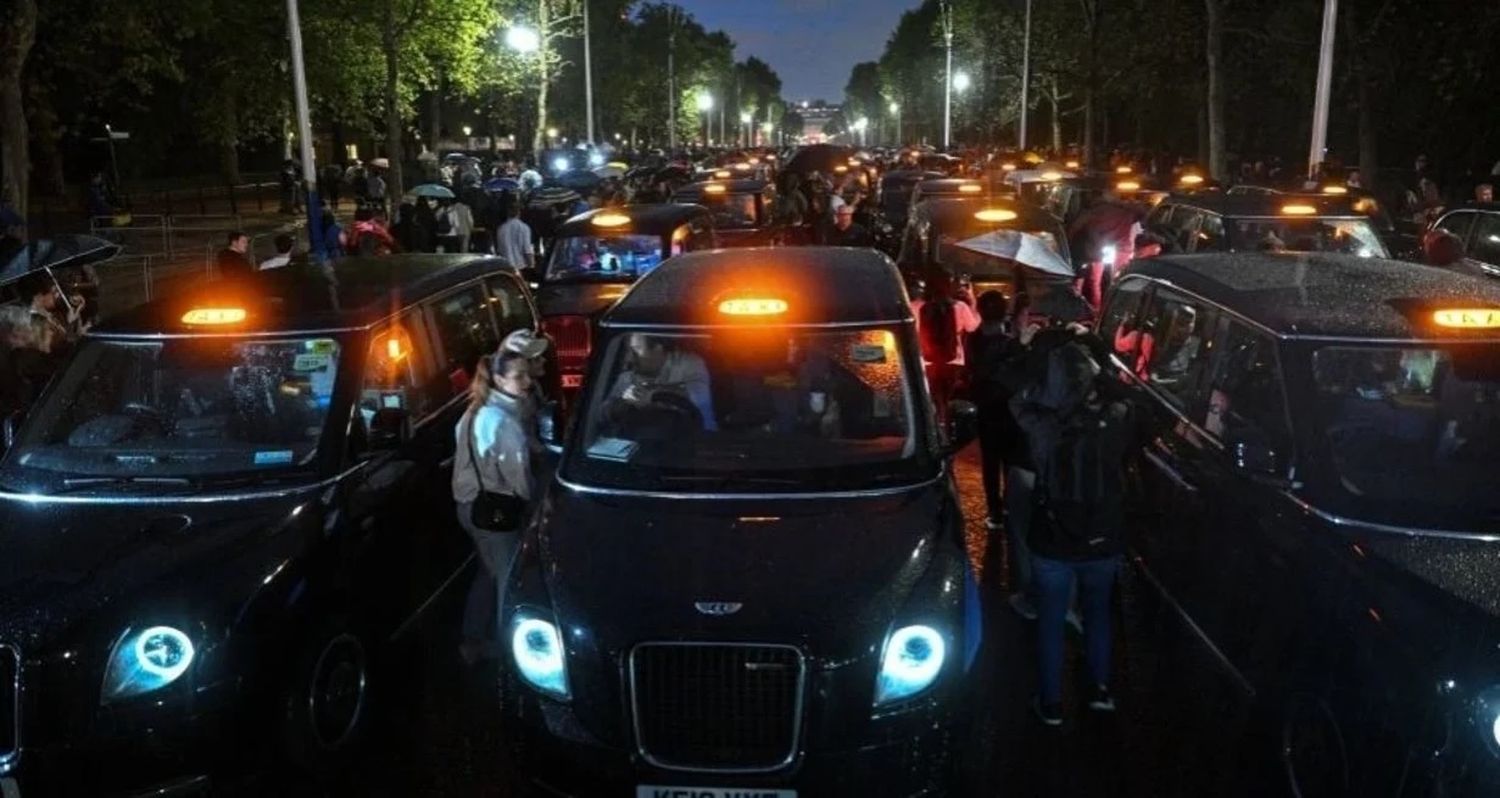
1167,470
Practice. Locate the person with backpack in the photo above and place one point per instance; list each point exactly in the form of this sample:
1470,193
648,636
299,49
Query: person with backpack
1079,433
942,323
369,236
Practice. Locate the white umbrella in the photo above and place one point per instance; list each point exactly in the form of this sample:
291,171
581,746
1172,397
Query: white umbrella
380,163
608,171
1026,249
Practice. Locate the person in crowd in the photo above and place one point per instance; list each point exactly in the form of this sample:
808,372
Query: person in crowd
330,181
530,178
513,239
845,232
358,182
12,234
424,227
287,179
97,200
1484,193
1429,202
370,236
1079,433
494,454
942,323
654,368
987,352
233,260
375,188
456,224
334,241
791,203
527,343
57,322
284,246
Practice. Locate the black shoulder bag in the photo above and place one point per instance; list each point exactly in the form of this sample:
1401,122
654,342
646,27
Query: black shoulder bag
492,512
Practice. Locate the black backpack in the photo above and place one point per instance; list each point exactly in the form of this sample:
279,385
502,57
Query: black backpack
939,331
1080,488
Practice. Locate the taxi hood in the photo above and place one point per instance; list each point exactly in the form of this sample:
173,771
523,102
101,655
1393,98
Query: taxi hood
64,564
578,298
827,573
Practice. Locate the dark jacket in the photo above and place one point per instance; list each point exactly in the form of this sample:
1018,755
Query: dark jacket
233,265
1079,432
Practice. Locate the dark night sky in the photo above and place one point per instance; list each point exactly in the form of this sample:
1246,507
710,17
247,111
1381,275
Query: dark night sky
812,44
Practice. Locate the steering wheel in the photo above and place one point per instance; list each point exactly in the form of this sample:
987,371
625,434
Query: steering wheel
142,412
678,403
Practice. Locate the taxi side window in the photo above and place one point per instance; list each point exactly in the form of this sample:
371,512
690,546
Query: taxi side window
396,372
1184,228
1120,325
464,333
1458,224
1180,329
1486,242
1245,398
512,311
1211,234
1159,218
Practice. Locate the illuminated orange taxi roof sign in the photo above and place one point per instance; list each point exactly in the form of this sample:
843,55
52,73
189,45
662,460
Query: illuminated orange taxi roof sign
714,188
1128,185
753,306
723,174
1298,210
1190,179
1335,190
1123,170
610,220
1467,318
213,316
996,215
970,188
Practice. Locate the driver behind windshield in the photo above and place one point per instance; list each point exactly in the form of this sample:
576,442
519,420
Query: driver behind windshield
656,368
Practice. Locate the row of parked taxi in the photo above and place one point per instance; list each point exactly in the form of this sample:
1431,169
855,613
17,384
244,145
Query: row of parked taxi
230,509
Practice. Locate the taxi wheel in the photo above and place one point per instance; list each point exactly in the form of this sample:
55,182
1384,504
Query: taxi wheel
326,706
1312,750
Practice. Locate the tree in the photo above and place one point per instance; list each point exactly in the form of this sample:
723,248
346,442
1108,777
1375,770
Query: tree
864,94
16,39
1214,61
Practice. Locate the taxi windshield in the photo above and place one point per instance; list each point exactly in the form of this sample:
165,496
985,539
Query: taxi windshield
614,257
732,211
1412,431
188,407
770,409
1346,236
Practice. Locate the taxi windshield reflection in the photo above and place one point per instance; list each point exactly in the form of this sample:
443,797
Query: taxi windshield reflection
183,408
750,409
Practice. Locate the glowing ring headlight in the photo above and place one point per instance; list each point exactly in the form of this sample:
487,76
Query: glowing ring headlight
911,662
164,652
146,661
537,649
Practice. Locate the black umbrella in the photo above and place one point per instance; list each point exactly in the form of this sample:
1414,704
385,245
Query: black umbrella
1060,302
53,253
551,195
579,180
819,158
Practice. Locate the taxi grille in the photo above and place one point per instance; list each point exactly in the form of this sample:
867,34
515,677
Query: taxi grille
717,706
10,704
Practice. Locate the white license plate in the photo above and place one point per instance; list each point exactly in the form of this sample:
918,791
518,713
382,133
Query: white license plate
654,791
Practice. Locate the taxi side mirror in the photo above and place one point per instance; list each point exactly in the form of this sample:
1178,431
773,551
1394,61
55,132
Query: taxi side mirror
389,429
549,425
962,426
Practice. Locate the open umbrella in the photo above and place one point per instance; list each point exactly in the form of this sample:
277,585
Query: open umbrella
609,170
499,185
431,191
578,179
57,252
380,163
551,195
1025,249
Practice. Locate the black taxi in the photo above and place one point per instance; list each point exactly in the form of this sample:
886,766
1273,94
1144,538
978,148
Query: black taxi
742,208
1320,501
1213,221
594,259
221,509
748,576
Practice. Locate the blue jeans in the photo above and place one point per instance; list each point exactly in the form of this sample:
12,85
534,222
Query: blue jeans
1054,585
481,623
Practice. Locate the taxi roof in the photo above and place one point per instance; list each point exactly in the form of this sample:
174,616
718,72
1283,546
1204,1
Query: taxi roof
1266,205
301,298
948,185
1325,295
821,285
951,212
693,192
649,219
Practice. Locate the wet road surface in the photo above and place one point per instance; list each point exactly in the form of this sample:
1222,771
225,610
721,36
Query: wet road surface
1181,728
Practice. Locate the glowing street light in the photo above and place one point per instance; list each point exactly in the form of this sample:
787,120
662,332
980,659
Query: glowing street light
551,132
706,104
468,131
896,112
523,39
961,81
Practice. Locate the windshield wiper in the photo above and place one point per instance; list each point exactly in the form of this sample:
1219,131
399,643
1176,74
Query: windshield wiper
74,483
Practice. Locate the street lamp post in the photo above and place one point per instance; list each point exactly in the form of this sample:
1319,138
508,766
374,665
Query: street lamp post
304,135
588,74
1025,74
860,126
1319,146
961,83
745,119
896,112
705,105
947,75
767,128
